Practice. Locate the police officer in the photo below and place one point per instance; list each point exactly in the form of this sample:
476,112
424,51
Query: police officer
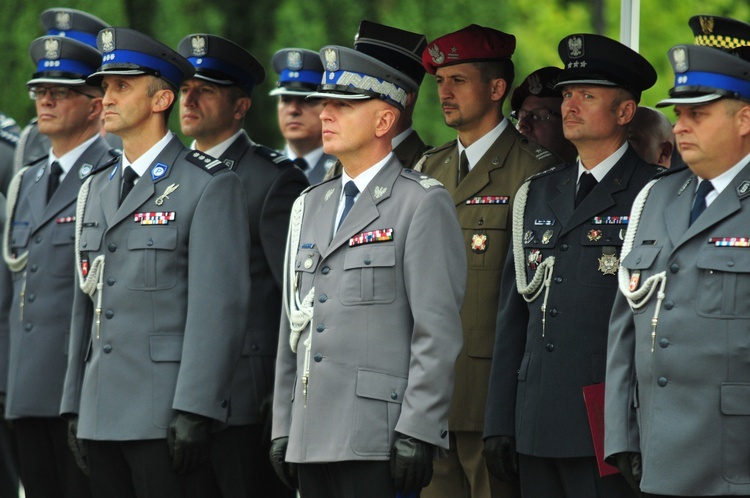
9,135
560,280
38,249
474,73
402,50
535,105
370,335
725,33
300,72
677,358
70,23
213,105
162,252
650,134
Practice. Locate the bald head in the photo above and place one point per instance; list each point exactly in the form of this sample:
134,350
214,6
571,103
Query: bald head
650,134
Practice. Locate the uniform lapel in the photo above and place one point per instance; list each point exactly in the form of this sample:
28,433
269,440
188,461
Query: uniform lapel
493,159
677,212
602,197
365,210
37,198
325,215
725,205
562,204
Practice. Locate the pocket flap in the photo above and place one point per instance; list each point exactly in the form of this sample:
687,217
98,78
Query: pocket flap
369,256
63,234
307,260
380,386
20,236
641,258
91,239
153,237
729,259
166,347
735,399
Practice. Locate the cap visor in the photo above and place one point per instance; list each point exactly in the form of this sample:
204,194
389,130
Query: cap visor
96,78
216,81
56,81
699,99
338,96
286,91
586,81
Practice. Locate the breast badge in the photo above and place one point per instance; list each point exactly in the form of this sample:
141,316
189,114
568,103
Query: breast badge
609,263
478,243
534,259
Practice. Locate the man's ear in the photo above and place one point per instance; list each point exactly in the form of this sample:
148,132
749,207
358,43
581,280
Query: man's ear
163,100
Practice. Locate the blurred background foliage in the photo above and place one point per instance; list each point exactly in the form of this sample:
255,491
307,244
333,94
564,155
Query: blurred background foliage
265,26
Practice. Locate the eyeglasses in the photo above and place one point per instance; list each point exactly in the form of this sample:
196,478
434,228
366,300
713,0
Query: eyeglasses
539,114
55,92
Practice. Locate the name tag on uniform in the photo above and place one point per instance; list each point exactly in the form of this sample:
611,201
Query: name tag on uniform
381,235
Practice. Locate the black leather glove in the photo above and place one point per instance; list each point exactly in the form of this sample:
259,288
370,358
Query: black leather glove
189,441
631,469
411,463
77,446
286,471
501,458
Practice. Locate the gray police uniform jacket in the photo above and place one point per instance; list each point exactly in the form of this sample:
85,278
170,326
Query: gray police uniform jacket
318,171
483,202
174,288
385,331
6,290
542,361
682,399
272,183
44,234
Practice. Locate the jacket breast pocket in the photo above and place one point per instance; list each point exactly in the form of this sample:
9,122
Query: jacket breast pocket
155,265
379,398
724,282
91,240
63,237
19,237
639,262
305,265
369,275
599,258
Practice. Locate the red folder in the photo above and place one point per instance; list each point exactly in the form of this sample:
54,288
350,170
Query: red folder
593,396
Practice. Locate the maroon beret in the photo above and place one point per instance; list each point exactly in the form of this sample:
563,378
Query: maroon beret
471,44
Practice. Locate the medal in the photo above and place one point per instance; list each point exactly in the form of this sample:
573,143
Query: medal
528,237
609,263
594,235
635,279
534,258
547,236
478,243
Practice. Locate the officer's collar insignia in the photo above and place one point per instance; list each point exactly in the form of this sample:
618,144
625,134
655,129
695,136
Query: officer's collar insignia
85,171
62,21
229,163
575,47
160,200
438,57
199,45
684,186
329,194
379,192
158,171
108,40
332,60
294,60
52,49
744,188
39,174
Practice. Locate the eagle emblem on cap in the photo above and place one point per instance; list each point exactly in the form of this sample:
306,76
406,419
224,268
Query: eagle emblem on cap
294,60
51,49
535,84
575,46
199,45
679,57
62,20
108,40
438,57
707,24
332,60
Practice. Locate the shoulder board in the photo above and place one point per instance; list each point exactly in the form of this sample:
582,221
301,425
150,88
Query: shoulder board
324,182
115,152
9,136
426,181
205,161
435,150
534,149
272,155
36,161
553,169
667,171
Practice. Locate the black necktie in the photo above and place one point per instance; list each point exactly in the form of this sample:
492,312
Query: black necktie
350,192
699,204
463,167
129,176
301,163
54,179
585,185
